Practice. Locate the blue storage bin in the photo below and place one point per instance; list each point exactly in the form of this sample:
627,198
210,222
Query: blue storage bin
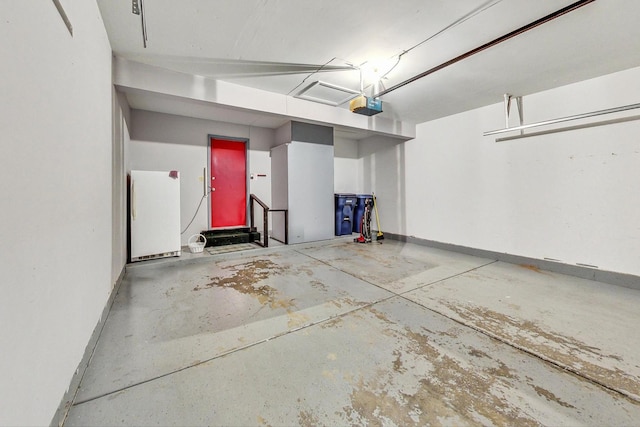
344,204
361,199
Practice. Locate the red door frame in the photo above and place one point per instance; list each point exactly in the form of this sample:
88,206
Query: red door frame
245,141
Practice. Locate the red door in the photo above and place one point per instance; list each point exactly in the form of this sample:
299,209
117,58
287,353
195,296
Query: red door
228,183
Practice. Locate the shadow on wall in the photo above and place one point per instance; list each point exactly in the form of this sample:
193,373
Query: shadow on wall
383,160
180,130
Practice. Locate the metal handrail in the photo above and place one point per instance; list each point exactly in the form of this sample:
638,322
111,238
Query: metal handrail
286,225
265,220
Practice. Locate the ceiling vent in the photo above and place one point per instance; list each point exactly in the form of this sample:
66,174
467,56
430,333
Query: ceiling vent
327,93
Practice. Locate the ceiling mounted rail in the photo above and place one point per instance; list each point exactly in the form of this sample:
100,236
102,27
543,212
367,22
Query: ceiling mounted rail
64,16
564,119
137,8
492,43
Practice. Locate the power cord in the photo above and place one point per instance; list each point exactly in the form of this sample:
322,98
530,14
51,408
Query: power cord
197,210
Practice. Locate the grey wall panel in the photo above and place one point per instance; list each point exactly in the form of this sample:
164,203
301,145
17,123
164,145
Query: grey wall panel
316,134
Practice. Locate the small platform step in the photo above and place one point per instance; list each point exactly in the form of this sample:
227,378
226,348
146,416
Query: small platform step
230,236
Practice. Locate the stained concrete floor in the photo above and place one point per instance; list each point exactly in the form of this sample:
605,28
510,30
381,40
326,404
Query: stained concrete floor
339,333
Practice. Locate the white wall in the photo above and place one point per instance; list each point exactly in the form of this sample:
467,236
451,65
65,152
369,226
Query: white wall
55,232
382,164
311,211
169,142
570,196
347,166
119,161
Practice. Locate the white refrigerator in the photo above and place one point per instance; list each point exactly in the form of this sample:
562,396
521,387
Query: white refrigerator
154,214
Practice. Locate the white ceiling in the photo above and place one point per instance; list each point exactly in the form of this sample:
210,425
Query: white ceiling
284,45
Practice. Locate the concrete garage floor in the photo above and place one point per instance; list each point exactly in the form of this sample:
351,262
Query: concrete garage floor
339,333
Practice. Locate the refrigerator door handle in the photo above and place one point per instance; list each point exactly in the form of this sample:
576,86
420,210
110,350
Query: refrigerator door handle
133,200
